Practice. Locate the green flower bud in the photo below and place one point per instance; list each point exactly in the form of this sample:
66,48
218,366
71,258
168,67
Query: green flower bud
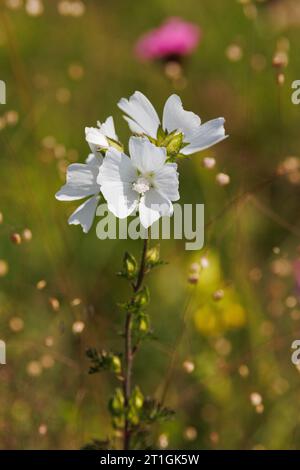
137,398
152,256
175,144
116,403
142,298
116,364
129,266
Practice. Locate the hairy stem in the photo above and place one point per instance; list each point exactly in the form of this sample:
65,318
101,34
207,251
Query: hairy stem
128,359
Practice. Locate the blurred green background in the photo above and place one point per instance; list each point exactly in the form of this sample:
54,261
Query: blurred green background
228,372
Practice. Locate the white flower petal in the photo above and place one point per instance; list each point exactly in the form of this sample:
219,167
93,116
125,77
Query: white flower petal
145,156
94,160
95,138
84,214
116,167
81,182
120,197
152,206
133,126
207,135
166,181
108,128
176,118
140,110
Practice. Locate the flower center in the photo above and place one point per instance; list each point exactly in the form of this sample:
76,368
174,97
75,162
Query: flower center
141,185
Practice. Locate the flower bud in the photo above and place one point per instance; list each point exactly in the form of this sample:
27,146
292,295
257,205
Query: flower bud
137,398
116,403
116,364
142,298
152,255
129,266
175,144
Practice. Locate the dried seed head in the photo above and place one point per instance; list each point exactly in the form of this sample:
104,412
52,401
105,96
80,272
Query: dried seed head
3,268
218,294
41,284
54,303
188,366
255,399
209,163
43,429
190,433
34,368
16,238
280,59
222,179
193,278
204,263
47,361
16,324
27,235
78,327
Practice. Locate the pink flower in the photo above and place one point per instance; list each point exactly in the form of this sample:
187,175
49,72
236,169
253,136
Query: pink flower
174,38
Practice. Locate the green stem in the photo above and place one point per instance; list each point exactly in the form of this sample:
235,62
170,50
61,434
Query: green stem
128,346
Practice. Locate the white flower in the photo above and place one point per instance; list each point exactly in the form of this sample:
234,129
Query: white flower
82,182
82,177
143,119
98,137
144,181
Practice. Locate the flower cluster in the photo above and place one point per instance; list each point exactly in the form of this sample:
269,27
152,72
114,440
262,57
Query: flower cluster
147,179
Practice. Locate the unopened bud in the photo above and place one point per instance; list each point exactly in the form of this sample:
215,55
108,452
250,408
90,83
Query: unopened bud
175,144
116,364
129,266
152,256
142,298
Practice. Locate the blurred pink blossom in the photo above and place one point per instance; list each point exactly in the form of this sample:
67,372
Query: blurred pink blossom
174,38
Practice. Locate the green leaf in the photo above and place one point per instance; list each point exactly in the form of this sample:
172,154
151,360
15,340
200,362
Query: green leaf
116,403
155,411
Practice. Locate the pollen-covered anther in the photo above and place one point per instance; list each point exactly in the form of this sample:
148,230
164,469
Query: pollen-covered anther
141,185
